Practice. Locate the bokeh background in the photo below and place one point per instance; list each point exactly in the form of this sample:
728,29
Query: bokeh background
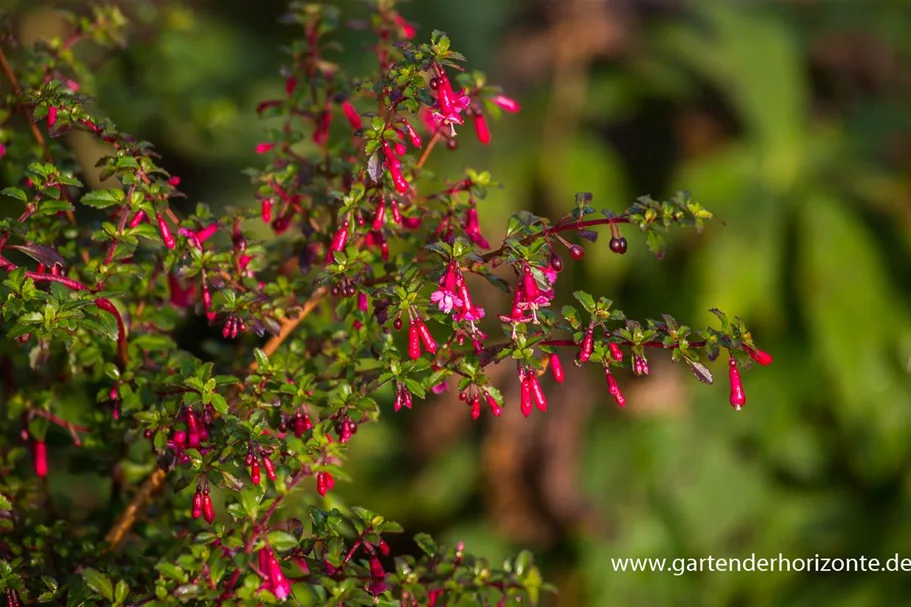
791,120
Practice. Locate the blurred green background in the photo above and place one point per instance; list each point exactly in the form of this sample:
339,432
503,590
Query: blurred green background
791,121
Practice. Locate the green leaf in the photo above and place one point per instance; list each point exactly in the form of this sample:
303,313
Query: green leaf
5,503
585,299
101,199
99,582
281,541
219,403
427,544
121,592
16,193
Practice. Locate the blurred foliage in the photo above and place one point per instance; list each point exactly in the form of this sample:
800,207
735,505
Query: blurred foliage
790,121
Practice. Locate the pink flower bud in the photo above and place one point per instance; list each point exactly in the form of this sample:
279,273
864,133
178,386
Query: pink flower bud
586,347
481,129
165,231
556,368
613,388
507,104
197,504
324,483
290,85
476,406
262,148
426,338
254,473
321,134
413,136
267,210
536,392
351,114
492,403
407,30
137,218
414,341
615,352
208,510
763,358
174,181
738,397
525,393
270,468
40,458
51,116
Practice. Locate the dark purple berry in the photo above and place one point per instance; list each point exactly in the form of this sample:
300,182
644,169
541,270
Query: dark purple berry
618,245
576,252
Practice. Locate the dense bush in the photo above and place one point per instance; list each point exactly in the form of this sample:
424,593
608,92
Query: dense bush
365,295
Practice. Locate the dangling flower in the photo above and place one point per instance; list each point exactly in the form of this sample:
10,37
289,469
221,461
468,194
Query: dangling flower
556,368
738,397
473,228
262,148
40,449
615,351
586,347
493,404
525,400
763,358
197,503
507,104
351,114
480,127
207,508
614,389
449,105
640,365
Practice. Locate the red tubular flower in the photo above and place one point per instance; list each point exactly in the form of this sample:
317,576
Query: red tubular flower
324,483
480,128
165,231
400,149
426,338
137,218
380,219
640,365
174,181
51,116
270,467
353,117
473,229
413,136
556,368
254,473
613,388
278,583
525,393
492,403
738,397
507,104
262,148
445,94
267,210
476,406
40,458
197,503
407,30
339,240
536,392
615,352
414,341
208,510
586,347
763,358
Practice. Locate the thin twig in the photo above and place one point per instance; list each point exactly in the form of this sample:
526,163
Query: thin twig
36,132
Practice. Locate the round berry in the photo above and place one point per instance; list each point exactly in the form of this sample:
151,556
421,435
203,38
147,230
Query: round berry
556,262
618,245
452,144
397,324
576,252
434,83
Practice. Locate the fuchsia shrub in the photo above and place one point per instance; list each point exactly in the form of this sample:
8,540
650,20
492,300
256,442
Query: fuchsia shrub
364,300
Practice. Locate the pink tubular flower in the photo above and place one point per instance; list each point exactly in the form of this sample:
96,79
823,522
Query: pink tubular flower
473,229
480,128
324,483
525,400
208,510
738,397
174,181
165,231
40,458
197,504
262,148
536,392
614,389
137,218
492,403
586,347
413,136
426,338
406,29
51,116
763,358
449,105
556,368
267,210
507,104
640,365
351,114
414,341
615,351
